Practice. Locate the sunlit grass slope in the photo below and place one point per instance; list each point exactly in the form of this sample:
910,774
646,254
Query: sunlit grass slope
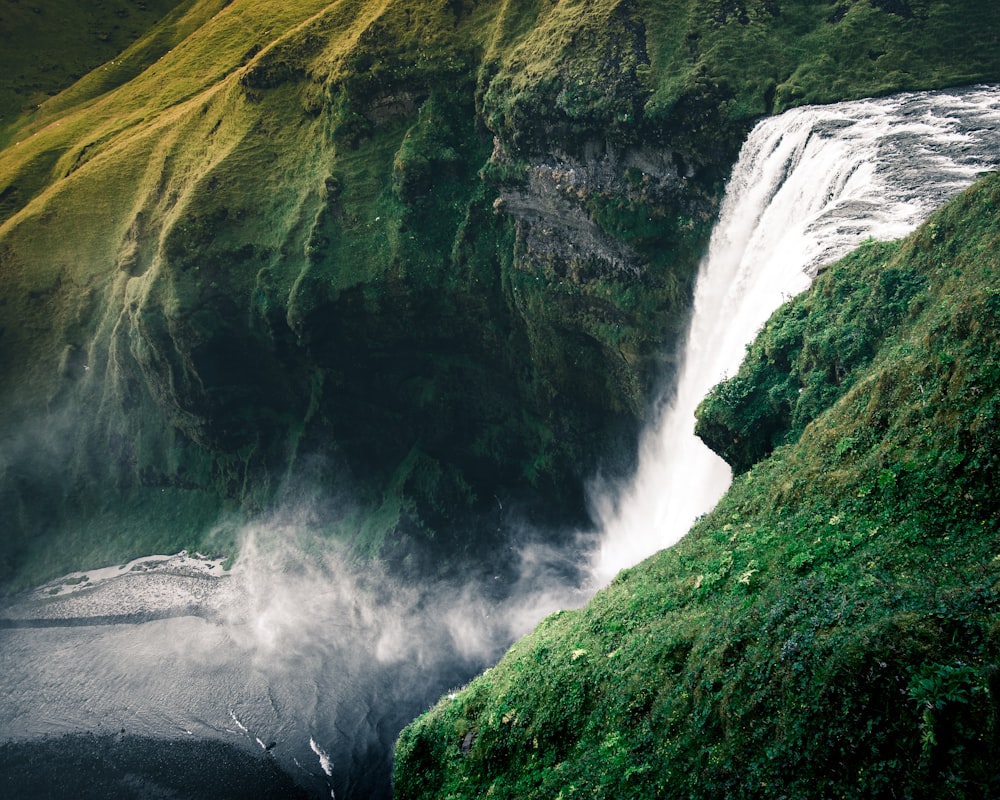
46,45
832,629
265,245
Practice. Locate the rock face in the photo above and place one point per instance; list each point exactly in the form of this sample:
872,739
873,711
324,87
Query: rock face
421,255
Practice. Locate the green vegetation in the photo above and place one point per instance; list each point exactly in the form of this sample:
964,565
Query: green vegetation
47,45
810,353
429,253
830,630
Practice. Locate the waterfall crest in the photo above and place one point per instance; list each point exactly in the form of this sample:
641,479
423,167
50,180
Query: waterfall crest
809,186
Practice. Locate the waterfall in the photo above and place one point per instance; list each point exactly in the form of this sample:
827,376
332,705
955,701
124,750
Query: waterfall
809,186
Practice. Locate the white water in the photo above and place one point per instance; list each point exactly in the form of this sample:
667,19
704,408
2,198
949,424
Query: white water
324,758
810,185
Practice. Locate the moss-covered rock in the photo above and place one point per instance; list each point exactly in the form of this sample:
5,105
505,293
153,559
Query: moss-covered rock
830,629
809,354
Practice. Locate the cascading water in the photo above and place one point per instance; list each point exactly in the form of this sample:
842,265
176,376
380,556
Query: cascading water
809,186
296,660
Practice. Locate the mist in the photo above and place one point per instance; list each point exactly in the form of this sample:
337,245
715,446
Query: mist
301,653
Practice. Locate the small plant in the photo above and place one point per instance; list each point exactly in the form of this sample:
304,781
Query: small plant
933,688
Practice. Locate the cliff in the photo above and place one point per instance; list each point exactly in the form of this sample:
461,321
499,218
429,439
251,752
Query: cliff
402,259
830,629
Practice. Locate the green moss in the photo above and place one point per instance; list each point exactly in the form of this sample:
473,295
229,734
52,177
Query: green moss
811,353
830,628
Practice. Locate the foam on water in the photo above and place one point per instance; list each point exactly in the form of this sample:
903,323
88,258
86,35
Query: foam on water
324,758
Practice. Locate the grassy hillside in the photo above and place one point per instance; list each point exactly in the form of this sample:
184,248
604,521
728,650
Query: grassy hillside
46,45
831,629
429,254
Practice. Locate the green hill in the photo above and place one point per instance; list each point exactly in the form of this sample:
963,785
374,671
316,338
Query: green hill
420,256
47,45
831,629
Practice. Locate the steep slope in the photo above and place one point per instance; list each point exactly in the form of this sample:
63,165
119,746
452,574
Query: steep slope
428,254
831,628
50,44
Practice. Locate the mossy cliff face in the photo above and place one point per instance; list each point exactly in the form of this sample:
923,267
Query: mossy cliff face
423,254
831,628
